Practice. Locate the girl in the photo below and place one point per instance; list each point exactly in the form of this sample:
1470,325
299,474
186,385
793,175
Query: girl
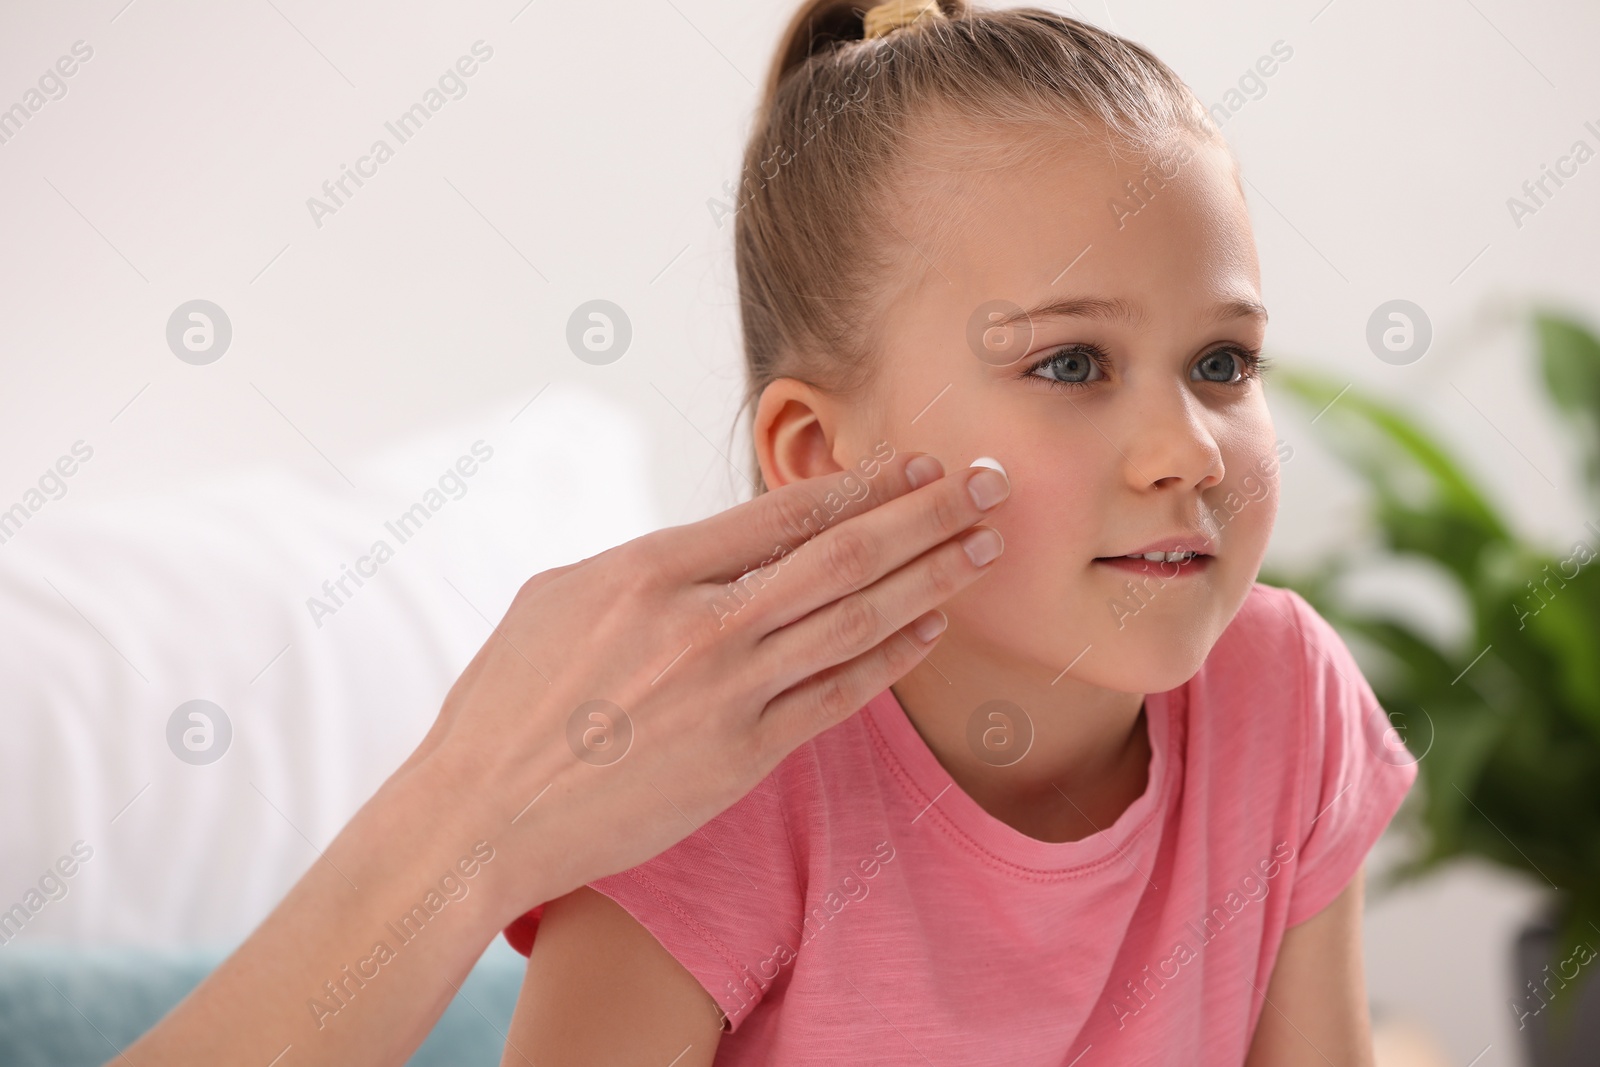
1119,814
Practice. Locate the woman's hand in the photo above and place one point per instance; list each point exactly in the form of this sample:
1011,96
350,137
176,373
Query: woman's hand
525,788
627,699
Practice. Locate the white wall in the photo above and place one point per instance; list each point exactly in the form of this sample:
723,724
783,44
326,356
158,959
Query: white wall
578,165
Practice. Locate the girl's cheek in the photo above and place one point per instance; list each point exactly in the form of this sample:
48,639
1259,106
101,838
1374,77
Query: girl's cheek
1244,509
1053,523
1055,516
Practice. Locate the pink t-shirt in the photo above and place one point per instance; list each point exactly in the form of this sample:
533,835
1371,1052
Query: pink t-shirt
859,907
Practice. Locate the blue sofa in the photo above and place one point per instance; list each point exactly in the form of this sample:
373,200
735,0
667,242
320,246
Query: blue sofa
71,1006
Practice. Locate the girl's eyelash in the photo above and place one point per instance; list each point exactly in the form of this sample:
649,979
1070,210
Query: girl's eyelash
1255,364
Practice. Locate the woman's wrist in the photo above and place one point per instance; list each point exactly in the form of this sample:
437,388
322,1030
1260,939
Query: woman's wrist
479,816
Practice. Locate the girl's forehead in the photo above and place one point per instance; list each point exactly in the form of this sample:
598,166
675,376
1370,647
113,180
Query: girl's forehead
1075,217
991,184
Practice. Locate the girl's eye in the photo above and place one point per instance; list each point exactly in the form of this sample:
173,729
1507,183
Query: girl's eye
1069,367
1222,362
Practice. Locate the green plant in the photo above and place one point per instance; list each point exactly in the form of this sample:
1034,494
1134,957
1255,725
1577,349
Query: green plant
1506,725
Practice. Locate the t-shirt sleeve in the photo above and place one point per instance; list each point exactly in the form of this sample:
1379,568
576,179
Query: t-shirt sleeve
1356,767
726,901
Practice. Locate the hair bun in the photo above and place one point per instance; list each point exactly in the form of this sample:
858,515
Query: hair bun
819,25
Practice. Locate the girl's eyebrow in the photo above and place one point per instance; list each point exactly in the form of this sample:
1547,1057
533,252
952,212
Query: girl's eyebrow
1238,309
1117,309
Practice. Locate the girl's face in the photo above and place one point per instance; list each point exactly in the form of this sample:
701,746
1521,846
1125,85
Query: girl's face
1123,407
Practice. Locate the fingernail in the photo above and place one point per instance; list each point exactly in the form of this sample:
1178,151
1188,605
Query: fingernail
982,545
922,470
988,489
930,626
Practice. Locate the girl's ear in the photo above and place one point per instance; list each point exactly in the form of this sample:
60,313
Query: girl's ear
795,432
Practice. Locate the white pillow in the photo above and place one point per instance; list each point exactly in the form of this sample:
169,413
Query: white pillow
118,614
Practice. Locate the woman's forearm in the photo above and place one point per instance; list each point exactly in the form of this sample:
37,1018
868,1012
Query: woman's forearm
360,959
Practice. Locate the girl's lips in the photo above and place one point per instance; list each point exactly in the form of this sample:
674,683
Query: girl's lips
1157,567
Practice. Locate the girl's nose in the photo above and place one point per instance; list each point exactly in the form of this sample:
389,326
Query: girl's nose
1169,442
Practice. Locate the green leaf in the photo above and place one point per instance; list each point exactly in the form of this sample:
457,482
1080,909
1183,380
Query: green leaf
1424,503
1571,360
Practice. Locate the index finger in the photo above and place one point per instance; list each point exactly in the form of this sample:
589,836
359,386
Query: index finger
736,541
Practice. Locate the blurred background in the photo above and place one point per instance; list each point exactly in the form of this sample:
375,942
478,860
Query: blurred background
227,379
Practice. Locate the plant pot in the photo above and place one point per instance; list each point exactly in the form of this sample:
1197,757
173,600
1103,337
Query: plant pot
1553,1040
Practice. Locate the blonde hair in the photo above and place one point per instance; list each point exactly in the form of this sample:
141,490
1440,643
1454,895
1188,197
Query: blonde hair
846,96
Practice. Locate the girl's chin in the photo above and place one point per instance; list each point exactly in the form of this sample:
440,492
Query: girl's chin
1143,676
1157,654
